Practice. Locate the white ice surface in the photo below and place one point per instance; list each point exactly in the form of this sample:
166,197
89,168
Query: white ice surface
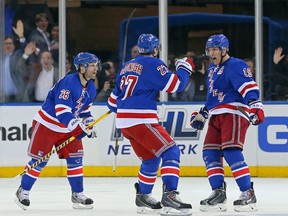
115,196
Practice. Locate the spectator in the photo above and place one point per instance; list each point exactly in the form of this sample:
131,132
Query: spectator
105,92
107,73
40,35
54,45
280,75
10,89
134,51
42,79
200,77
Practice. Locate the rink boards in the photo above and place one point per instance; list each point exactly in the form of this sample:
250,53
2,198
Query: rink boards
265,149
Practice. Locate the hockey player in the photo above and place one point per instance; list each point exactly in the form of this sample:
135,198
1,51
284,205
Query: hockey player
64,114
134,99
230,87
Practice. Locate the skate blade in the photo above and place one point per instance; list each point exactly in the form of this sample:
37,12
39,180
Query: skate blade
146,210
175,212
245,208
81,206
23,207
215,208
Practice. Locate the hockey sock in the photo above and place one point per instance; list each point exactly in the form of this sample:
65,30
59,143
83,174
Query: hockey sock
170,168
75,173
30,177
148,174
214,167
239,168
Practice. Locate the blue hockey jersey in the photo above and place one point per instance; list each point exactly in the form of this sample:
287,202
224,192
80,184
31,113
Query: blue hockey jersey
66,102
138,83
229,85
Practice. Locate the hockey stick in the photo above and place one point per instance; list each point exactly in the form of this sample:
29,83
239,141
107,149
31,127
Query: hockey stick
48,155
125,36
244,113
116,150
123,61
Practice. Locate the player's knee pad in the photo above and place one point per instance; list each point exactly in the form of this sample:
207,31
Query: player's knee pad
212,157
150,165
74,162
233,156
171,155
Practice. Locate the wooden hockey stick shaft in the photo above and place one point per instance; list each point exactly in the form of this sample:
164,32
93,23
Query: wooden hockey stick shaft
125,36
47,156
116,150
244,113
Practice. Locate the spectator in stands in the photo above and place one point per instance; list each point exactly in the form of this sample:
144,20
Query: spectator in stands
40,35
54,45
280,74
107,73
134,51
10,89
42,79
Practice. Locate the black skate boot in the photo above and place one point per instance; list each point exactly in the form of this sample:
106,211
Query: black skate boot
80,201
216,201
22,198
145,202
173,205
246,202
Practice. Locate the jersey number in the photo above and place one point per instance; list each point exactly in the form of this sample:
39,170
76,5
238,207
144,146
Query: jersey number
64,94
129,82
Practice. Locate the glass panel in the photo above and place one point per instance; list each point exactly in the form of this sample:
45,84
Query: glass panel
102,27
276,51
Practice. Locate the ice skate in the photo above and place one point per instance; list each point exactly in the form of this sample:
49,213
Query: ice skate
216,201
80,201
246,202
145,202
22,198
173,205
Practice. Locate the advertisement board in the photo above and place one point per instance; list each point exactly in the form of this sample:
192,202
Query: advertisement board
265,149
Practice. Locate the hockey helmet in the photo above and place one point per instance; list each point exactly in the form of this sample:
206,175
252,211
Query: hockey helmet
83,58
147,43
219,40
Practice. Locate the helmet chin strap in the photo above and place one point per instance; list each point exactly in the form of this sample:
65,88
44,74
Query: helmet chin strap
84,76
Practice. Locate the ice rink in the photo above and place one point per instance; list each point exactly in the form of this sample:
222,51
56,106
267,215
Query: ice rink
115,196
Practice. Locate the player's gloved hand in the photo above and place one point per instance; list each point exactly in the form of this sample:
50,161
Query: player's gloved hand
198,119
92,132
88,120
186,64
256,112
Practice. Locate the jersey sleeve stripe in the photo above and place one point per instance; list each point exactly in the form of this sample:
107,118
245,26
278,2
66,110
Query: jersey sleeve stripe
61,108
172,84
50,119
246,87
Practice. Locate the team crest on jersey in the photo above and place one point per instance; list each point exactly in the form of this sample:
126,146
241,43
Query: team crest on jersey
221,70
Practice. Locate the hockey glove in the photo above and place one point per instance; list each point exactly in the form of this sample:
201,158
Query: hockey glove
256,112
92,130
186,64
80,131
198,119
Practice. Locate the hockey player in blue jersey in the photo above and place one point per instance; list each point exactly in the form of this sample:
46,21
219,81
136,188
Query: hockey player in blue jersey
230,87
65,113
134,99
